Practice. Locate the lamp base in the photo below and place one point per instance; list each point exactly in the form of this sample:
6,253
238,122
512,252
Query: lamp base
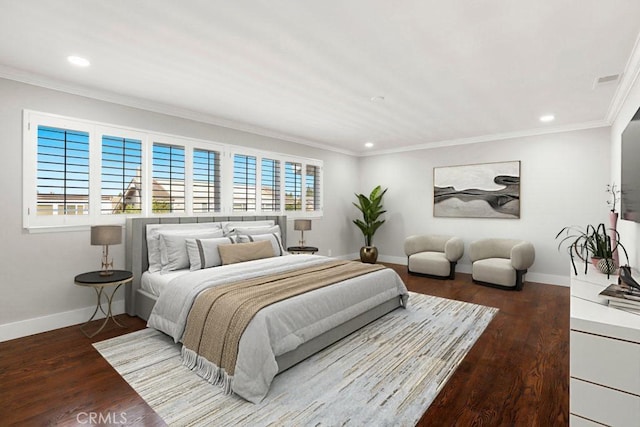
106,272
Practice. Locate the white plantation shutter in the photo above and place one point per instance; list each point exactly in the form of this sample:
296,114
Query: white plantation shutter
121,177
270,185
244,183
206,181
312,188
293,186
62,171
168,184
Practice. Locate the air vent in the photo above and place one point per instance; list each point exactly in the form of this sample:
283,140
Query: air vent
605,80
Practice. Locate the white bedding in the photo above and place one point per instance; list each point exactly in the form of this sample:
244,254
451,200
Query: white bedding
155,283
281,327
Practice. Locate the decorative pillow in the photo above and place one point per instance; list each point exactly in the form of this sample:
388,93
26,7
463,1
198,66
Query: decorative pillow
153,238
203,253
173,248
273,238
241,252
229,227
258,230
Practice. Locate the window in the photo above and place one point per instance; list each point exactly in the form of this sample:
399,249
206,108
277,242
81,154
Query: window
62,172
312,188
244,183
167,194
121,175
206,181
79,173
270,185
293,186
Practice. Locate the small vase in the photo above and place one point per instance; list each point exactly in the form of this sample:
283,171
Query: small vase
369,254
613,222
607,266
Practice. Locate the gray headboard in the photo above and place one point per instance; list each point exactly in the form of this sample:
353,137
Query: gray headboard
137,261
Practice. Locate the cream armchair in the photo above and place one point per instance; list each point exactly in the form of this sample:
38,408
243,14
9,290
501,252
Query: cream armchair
501,263
433,256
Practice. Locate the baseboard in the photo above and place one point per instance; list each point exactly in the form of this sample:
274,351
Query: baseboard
37,325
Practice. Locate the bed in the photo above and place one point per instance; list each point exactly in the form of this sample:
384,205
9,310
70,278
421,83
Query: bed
145,292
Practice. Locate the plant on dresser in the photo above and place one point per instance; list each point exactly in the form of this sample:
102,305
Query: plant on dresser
591,243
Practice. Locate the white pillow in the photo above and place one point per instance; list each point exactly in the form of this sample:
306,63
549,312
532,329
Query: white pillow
273,238
153,239
203,253
230,227
257,230
173,249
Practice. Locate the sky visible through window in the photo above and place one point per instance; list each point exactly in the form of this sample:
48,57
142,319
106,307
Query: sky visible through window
62,171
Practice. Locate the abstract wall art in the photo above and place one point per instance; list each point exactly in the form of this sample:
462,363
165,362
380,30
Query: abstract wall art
486,190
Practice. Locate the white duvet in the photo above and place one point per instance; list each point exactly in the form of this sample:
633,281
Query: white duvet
281,327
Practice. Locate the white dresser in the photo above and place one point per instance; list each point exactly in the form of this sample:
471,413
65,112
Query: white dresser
604,386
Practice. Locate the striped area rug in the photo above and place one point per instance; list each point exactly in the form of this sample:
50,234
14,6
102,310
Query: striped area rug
387,373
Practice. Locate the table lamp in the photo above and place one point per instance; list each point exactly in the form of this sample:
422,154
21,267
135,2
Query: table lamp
302,225
106,235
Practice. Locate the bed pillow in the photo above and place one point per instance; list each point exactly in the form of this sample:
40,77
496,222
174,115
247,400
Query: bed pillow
173,247
258,230
229,227
153,238
273,238
241,252
203,253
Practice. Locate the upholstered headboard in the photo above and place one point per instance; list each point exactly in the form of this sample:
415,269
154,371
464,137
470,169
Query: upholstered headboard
136,258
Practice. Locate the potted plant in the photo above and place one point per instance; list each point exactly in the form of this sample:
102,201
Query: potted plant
592,243
371,208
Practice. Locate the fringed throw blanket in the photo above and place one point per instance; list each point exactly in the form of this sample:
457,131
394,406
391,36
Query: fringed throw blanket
220,315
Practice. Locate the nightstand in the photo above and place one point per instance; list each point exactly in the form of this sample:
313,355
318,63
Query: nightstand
94,280
302,249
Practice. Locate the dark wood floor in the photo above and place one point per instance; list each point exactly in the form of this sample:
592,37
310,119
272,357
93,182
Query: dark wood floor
517,374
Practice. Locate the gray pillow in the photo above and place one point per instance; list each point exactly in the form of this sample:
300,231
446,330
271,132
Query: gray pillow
153,238
173,247
203,253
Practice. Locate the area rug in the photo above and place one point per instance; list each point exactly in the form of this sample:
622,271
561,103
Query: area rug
387,373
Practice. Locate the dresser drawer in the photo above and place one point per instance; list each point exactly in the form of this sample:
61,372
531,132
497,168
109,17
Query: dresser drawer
606,361
603,405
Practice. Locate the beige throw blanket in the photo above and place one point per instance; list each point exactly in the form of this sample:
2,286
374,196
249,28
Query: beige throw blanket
220,315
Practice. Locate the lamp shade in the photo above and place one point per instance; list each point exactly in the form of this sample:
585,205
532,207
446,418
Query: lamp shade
106,234
302,224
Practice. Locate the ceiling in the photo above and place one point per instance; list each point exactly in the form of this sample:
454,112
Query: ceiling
306,71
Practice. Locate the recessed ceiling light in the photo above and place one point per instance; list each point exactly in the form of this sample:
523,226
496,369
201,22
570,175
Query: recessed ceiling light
377,98
547,118
78,61
368,144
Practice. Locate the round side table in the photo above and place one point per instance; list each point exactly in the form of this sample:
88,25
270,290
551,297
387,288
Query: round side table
98,282
302,249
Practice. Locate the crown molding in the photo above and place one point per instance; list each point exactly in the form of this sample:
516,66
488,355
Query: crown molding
629,78
492,137
156,107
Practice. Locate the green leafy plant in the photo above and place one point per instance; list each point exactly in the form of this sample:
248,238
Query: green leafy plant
589,242
371,208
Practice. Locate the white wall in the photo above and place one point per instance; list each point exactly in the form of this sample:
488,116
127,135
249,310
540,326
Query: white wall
37,270
563,182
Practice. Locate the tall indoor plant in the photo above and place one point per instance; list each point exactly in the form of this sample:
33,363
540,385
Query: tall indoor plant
371,208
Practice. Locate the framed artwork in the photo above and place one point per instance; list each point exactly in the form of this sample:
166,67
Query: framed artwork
486,190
